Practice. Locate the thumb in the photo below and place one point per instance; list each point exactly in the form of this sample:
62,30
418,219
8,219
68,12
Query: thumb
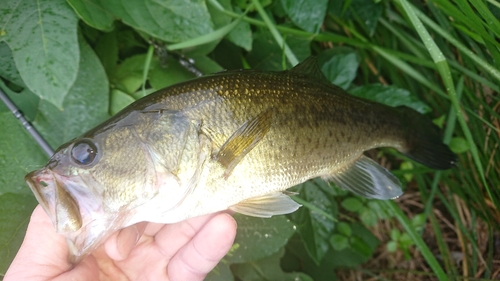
44,254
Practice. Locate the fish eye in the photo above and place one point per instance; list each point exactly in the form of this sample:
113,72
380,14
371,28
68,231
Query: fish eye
84,152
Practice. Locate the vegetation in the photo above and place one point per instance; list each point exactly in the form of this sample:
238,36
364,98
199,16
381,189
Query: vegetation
71,64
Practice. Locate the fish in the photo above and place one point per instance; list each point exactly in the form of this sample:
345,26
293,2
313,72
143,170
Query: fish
231,140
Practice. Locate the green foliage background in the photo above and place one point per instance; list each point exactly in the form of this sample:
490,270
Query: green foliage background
70,65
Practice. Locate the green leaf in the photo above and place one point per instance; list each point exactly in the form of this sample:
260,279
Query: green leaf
171,21
266,54
395,234
362,246
85,106
19,155
368,216
352,204
390,95
241,36
367,13
221,272
459,145
339,242
93,13
128,75
267,269
392,246
8,69
15,210
119,100
205,64
340,66
106,49
26,100
344,229
308,15
173,73
259,237
405,240
314,229
407,166
43,38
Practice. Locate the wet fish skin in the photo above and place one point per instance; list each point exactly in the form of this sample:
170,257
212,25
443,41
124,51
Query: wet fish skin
234,139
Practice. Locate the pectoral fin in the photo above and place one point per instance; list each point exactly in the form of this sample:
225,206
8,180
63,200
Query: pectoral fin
267,205
368,179
243,141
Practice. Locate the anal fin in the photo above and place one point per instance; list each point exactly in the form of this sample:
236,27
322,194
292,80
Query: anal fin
267,205
367,178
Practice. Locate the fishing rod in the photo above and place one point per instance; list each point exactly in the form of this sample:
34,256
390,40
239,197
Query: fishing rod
26,124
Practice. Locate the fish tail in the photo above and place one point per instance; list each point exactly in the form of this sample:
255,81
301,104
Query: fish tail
423,141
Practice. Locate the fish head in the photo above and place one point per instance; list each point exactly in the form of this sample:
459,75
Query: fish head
90,186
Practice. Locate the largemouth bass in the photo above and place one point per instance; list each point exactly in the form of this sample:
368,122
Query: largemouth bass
231,140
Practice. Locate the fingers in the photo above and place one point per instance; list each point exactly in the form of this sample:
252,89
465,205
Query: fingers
120,244
44,254
195,260
174,236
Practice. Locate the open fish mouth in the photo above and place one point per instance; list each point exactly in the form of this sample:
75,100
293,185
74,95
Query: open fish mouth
75,211
56,200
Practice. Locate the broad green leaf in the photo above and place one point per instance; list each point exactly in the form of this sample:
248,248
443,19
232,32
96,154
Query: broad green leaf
459,145
15,210
352,204
259,237
365,12
8,68
395,234
128,75
308,15
119,100
391,246
25,100
43,38
266,54
368,217
241,36
84,107
93,13
172,73
206,65
106,49
267,269
19,155
390,95
339,242
314,229
296,253
344,229
172,21
340,66
221,272
362,246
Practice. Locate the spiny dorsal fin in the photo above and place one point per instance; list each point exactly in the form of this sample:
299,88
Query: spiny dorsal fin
243,140
367,178
310,67
267,205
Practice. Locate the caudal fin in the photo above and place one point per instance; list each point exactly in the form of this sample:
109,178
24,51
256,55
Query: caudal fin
424,143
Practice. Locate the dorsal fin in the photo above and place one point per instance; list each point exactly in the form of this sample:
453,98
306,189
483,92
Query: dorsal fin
310,67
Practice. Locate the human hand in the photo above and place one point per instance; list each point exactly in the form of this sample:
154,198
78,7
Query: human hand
187,250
